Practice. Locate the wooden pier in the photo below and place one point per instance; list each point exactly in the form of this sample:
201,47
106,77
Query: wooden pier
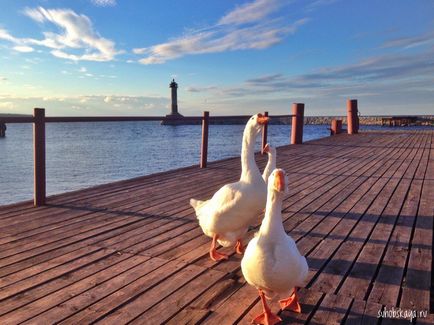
359,206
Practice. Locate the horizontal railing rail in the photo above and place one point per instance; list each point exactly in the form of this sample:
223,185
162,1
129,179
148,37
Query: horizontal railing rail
72,119
39,120
16,119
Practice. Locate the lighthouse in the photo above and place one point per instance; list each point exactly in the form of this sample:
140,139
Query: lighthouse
174,118
174,95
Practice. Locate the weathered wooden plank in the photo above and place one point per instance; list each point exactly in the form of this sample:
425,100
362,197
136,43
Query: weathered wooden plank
237,303
418,276
52,285
40,305
364,268
331,277
332,310
171,305
363,313
387,284
111,302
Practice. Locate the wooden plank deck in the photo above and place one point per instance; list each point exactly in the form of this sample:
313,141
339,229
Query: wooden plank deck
360,208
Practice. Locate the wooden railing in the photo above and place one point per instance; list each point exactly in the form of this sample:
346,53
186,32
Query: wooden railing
39,119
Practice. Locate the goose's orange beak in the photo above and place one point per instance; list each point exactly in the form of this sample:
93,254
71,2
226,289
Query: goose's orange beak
279,181
263,119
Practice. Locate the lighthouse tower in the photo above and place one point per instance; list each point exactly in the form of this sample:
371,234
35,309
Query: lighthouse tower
174,94
174,118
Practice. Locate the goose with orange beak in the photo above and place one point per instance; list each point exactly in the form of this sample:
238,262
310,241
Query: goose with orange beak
227,216
272,262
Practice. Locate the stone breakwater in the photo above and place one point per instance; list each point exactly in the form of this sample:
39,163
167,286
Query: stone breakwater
423,120
426,120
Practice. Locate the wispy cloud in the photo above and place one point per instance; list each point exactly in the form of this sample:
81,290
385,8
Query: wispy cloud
319,3
77,33
23,48
193,89
410,42
104,3
390,73
250,26
7,105
250,12
5,35
88,104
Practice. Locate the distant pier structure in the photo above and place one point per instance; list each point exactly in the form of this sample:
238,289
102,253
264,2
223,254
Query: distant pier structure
399,121
175,118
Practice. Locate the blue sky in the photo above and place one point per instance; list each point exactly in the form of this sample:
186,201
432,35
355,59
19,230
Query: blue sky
117,57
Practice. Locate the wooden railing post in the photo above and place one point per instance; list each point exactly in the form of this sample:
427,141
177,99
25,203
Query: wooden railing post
352,117
264,134
2,130
336,127
39,156
297,123
204,150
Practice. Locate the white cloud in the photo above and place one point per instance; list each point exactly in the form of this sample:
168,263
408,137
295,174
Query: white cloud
193,89
319,3
23,48
77,34
149,106
82,69
115,104
229,34
5,35
7,105
389,78
250,12
139,51
104,3
410,42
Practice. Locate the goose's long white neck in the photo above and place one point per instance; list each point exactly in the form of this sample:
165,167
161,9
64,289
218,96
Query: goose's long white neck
271,165
249,169
272,226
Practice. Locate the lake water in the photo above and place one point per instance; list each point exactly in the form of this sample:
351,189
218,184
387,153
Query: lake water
81,155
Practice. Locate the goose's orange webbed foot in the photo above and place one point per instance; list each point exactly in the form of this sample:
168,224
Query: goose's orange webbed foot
239,248
216,256
291,303
267,317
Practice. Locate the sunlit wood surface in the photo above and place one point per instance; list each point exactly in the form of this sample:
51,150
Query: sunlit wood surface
360,208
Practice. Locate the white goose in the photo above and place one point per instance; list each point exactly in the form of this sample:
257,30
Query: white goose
272,262
271,163
227,216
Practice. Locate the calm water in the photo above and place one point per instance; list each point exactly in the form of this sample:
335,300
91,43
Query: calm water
80,155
